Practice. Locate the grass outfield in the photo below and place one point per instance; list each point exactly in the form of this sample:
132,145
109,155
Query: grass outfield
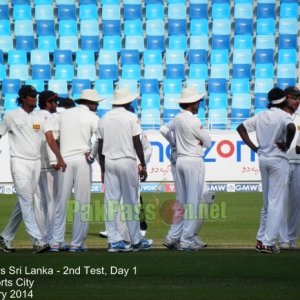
228,269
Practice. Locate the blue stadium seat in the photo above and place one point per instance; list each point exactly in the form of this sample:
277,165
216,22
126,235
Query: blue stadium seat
155,43
39,57
133,27
217,118
85,57
217,85
264,70
67,27
104,86
47,42
220,11
5,27
10,102
150,101
64,72
286,71
243,41
243,26
83,2
66,12
36,2
243,10
150,119
265,41
199,27
198,71
288,10
155,11
62,57
177,27
219,56
88,11
220,42
221,27
132,11
130,57
175,71
172,86
78,85
199,42
219,71
170,101
263,85
107,57
263,56
197,56
38,84
286,56
176,11
18,71
4,11
149,86
285,82
238,115
89,28
288,26
11,86
41,72
261,100
108,72
169,114
242,56
131,71
154,71
198,83
59,86
112,42
152,57
43,12
22,12
26,43
86,71
132,84
111,12
45,27
218,100
241,71
134,42
16,57
155,27
265,10
90,43
23,28
111,27
240,86
178,42
175,57
287,41
68,42
198,11
265,26
2,71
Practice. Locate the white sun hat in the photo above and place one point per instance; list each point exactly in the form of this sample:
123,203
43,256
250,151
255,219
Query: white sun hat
123,96
90,95
190,95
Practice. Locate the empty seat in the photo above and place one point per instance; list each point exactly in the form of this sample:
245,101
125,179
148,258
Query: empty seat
219,71
218,100
23,28
265,41
176,11
131,71
199,42
178,42
169,114
19,71
286,71
88,12
198,71
86,71
104,86
67,28
155,11
47,42
198,11
10,102
172,86
287,41
263,85
133,27
154,71
242,56
39,57
132,11
263,56
78,85
170,101
62,57
107,57
264,71
16,57
261,100
238,115
149,86
59,86
150,101
90,43
130,57
26,43
243,10
243,26
219,56
217,118
155,27
22,12
177,27
41,72
89,28
150,119
217,85
85,57
288,10
241,71
43,12
10,86
175,71
221,26
286,56
220,11
111,12
199,27
108,72
240,86
66,12
153,57
288,26
45,27
38,84
111,27
134,42
112,42
64,72
175,57
4,11
197,56
155,43
265,10
68,42
220,42
265,26
242,41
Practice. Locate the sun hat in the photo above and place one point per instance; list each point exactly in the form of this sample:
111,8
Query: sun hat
90,95
190,95
123,96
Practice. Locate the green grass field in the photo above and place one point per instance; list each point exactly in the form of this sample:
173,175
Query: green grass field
229,268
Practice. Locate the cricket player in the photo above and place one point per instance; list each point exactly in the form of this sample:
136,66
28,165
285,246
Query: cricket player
190,139
172,239
275,131
119,145
25,131
77,125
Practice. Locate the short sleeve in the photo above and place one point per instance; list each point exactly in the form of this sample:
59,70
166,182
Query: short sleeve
136,126
4,126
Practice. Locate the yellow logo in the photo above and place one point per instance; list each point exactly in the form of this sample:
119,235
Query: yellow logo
36,126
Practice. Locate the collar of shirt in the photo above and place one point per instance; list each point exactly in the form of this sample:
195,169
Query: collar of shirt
82,106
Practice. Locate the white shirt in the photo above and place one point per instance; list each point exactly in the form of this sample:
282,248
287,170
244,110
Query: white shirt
147,148
293,157
76,127
189,135
25,133
168,132
117,127
270,127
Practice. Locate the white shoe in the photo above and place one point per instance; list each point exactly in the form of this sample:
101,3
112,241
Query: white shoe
189,247
293,245
103,234
199,242
284,246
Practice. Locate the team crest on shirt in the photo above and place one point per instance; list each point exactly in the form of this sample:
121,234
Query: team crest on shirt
36,127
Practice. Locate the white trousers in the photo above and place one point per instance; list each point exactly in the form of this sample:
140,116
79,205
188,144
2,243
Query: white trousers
274,177
190,173
78,175
45,202
25,174
121,181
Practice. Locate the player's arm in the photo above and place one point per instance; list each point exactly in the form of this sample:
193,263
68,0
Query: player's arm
241,129
290,134
137,144
54,147
101,158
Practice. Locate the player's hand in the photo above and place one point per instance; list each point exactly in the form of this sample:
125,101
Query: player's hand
143,174
62,165
55,167
281,146
89,158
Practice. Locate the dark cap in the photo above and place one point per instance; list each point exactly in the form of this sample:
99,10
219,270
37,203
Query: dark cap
28,90
292,90
65,102
46,96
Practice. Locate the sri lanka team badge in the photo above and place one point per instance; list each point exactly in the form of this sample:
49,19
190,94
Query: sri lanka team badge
36,127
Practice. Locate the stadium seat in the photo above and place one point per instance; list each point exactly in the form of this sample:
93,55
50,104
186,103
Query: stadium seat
155,11
133,27
26,43
241,71
217,118
108,72
263,85
5,27
264,56
111,27
286,71
288,26
67,28
22,12
198,71
220,42
265,41
150,101
218,100
198,11
261,100
217,85
243,26
175,71
265,10
37,83
45,27
89,28
90,43
39,57
197,56
285,82
288,10
11,86
176,11
287,41
131,71
240,86
264,70
169,114
88,11
62,57
23,28
41,72
69,42
155,27
134,42
43,12
199,27
178,42
149,86
152,57
86,71
47,42
243,41
104,86
155,43
219,56
18,71
177,27
221,27
60,87
238,115
66,12
112,42
150,119
2,71
219,71
78,85
265,26
107,57
220,11
4,11
286,56
111,12
132,11
130,57
16,57
154,71
64,72
241,100
85,57
242,56
172,86
10,102
175,57
243,11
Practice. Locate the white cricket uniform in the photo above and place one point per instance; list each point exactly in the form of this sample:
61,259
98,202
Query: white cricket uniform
167,130
25,132
190,170
76,127
271,127
117,128
45,196
289,230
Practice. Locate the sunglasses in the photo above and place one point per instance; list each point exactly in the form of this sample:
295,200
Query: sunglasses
294,97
